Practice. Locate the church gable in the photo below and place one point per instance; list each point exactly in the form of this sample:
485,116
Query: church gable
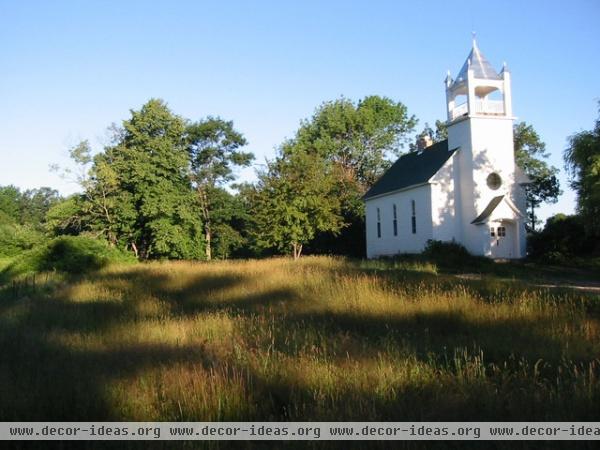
412,169
499,208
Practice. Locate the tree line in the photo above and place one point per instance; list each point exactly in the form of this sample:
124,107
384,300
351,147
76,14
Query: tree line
165,186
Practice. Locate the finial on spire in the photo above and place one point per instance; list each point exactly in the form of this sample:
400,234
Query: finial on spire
448,80
474,38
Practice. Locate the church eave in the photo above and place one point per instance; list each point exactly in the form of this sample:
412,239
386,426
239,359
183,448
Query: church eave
384,194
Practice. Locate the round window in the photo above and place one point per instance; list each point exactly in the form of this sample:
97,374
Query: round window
494,181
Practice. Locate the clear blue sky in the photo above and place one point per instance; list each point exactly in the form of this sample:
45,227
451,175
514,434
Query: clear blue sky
69,69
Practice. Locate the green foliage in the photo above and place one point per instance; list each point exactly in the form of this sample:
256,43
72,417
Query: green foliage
450,254
36,203
157,188
15,238
582,160
214,151
137,192
562,241
28,207
65,217
530,153
228,219
67,254
293,201
214,148
355,141
10,202
357,137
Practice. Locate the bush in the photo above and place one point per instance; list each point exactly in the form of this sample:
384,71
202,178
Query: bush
67,254
450,254
14,238
561,241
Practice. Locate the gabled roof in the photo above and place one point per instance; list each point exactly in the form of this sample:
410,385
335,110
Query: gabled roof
489,209
480,66
412,169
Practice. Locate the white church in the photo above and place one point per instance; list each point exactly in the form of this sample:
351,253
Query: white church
465,189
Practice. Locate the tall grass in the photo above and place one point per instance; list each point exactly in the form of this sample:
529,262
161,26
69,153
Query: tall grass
318,339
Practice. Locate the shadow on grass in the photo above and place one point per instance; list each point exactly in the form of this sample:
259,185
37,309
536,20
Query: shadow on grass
40,379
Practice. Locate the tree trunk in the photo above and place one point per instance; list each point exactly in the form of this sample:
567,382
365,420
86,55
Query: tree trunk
135,249
207,236
205,206
297,250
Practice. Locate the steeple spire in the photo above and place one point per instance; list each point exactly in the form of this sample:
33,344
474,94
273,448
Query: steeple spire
476,80
479,64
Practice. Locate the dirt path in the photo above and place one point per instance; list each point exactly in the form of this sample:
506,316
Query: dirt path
579,285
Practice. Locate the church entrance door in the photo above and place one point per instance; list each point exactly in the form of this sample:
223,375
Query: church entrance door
502,235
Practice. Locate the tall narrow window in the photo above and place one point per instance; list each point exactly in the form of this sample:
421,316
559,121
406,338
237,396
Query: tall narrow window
395,223
378,223
414,217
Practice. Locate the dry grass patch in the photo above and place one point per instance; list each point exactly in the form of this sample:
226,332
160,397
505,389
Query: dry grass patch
318,339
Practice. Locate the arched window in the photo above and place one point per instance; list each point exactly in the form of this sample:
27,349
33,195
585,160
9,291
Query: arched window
378,223
395,222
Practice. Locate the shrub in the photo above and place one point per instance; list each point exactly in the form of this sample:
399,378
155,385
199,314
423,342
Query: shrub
68,254
562,239
450,254
14,238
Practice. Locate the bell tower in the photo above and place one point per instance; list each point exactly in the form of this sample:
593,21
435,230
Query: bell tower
480,124
478,89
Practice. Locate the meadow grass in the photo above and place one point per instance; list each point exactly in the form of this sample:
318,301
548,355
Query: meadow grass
320,339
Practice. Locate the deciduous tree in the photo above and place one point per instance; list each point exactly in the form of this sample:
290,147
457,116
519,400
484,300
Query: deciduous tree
530,153
293,201
582,161
356,141
214,150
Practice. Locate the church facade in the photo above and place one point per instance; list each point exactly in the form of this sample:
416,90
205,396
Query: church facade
465,189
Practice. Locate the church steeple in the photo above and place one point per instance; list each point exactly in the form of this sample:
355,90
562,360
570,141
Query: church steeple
469,94
479,64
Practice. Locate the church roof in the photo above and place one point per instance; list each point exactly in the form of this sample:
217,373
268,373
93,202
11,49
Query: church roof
489,209
412,169
480,66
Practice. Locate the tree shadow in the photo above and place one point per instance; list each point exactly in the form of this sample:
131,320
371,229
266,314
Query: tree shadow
42,379
505,372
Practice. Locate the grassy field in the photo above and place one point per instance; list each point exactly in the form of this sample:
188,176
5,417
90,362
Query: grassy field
319,339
